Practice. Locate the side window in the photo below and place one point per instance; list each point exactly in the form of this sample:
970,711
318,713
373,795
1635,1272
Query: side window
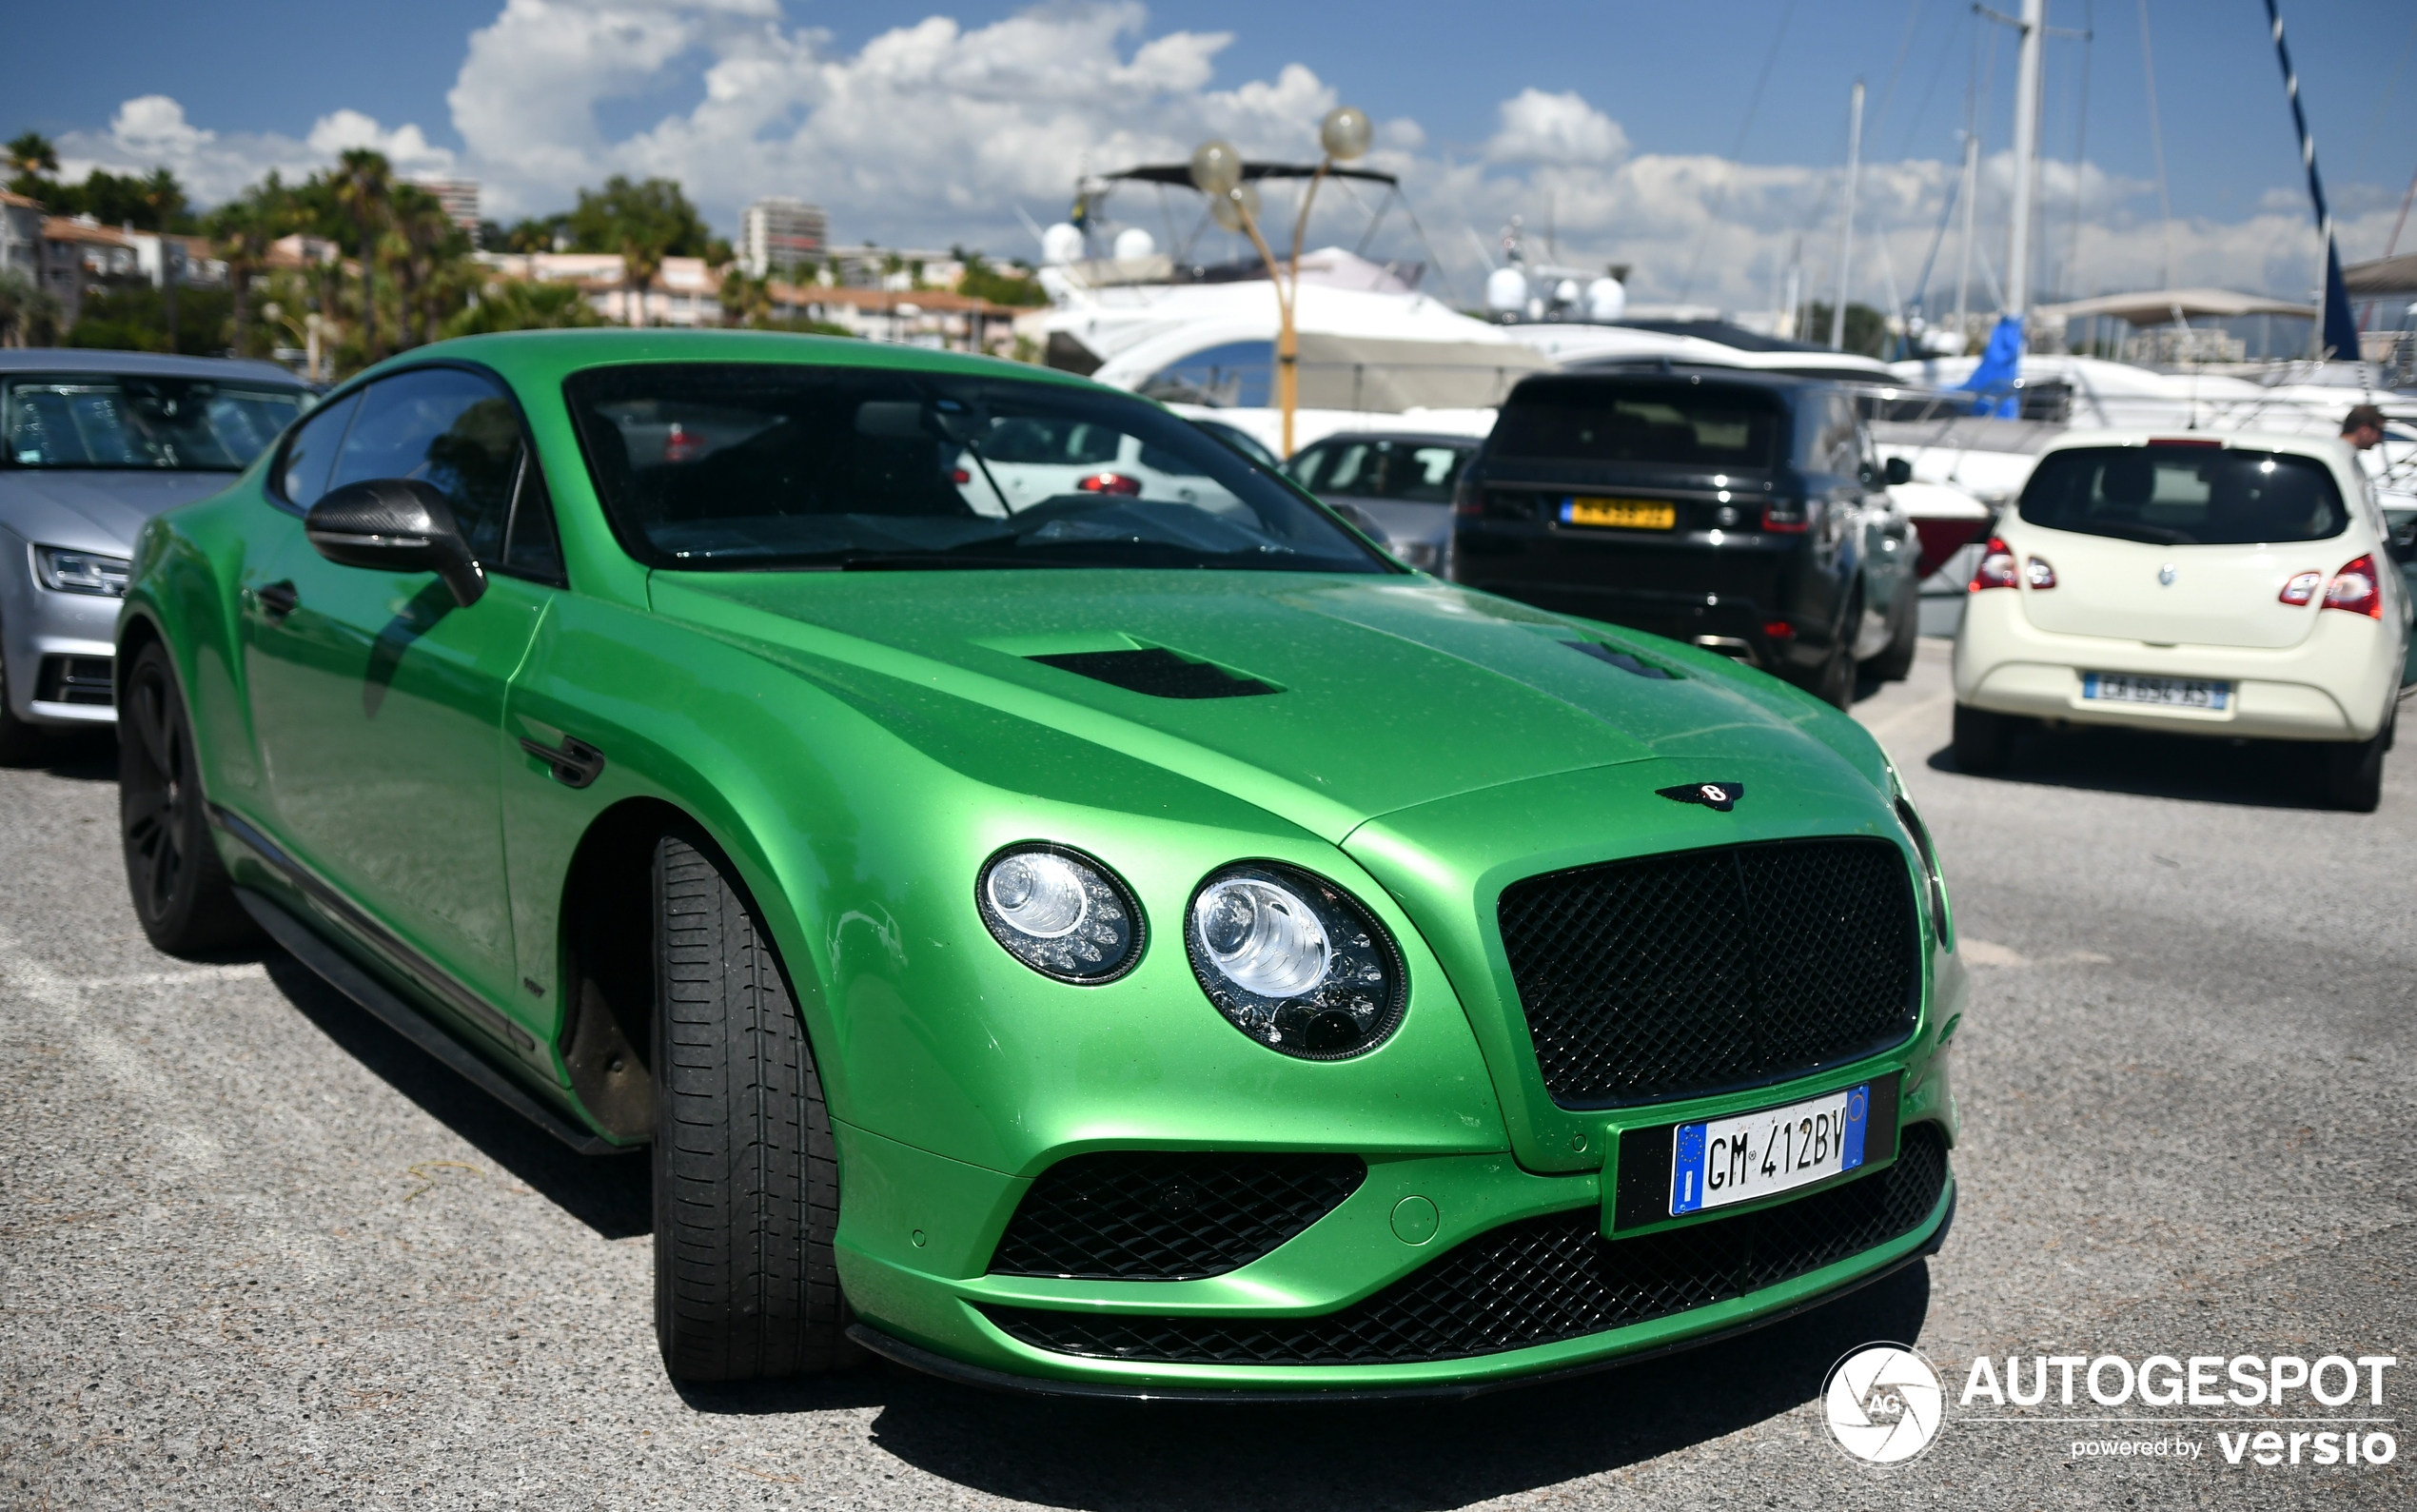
446,427
301,475
530,548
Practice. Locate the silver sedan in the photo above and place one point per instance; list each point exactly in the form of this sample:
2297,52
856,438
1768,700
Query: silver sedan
92,445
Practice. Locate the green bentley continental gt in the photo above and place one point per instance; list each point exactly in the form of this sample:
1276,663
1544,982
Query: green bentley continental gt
1060,909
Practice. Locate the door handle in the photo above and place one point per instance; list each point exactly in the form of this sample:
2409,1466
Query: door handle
575,762
278,599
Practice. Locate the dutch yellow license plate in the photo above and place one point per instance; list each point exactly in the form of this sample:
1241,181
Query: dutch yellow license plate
1620,514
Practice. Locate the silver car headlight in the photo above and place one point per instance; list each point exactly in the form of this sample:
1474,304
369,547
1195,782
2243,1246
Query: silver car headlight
1294,962
65,571
1060,912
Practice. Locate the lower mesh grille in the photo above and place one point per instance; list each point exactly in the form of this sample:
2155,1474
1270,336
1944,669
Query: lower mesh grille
77,680
1146,1216
1534,1282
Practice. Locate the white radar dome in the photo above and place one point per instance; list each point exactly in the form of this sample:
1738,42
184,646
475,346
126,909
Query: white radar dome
1506,291
1132,243
1062,242
1606,300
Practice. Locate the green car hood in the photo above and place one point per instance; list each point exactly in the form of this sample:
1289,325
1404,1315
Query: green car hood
1392,692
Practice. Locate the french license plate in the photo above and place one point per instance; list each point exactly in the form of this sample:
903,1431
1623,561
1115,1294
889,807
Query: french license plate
1731,1160
1623,514
2181,693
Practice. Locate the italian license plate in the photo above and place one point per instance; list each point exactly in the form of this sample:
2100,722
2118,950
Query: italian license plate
1623,514
2181,693
1732,1160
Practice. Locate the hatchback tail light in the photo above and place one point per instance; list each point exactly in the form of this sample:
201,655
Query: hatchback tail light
1110,483
2302,588
2354,588
1778,630
2038,574
1789,517
1996,567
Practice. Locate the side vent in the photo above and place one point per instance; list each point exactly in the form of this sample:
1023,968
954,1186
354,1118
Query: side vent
1159,673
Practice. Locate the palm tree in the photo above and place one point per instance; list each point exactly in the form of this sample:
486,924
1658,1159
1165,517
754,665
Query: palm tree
365,187
745,301
243,231
31,155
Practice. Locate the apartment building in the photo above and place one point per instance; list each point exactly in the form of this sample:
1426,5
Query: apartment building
777,235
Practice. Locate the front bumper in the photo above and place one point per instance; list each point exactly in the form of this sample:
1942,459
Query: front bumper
58,649
917,1232
2337,684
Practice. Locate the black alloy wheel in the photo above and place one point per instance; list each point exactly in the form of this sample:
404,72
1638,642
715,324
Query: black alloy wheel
181,896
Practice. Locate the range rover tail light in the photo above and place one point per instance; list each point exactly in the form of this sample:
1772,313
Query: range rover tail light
2354,588
2038,574
1110,483
2301,589
1997,568
1790,517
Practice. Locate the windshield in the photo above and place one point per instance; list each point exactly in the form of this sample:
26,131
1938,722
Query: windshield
749,465
112,420
1363,468
2185,495
1683,423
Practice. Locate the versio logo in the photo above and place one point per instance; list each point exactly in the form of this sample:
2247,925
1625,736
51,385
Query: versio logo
1884,1403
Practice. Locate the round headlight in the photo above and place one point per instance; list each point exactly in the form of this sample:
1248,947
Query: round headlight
1060,912
1294,962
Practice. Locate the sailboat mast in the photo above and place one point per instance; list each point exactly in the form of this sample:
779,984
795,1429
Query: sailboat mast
2335,335
1846,230
1970,192
2034,33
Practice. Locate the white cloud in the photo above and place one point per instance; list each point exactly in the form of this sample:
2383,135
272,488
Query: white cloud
1540,127
936,133
150,131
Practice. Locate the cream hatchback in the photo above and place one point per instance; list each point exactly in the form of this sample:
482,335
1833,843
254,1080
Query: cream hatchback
2242,585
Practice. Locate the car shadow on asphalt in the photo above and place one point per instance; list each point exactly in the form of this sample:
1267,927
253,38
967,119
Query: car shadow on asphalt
2253,773
609,1193
1410,1455
78,756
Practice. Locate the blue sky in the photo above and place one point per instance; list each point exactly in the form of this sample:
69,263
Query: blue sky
256,76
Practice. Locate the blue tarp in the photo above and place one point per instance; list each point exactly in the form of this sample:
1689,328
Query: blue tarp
2000,364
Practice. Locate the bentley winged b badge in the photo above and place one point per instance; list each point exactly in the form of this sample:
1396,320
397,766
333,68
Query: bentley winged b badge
1719,796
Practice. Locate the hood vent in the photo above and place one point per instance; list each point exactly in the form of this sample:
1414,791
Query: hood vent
1617,659
1159,673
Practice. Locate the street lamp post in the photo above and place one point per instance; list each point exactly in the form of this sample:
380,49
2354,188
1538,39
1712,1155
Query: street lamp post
1216,172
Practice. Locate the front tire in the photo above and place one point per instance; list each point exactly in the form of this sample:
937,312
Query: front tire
746,1173
2354,772
181,896
1895,663
1983,739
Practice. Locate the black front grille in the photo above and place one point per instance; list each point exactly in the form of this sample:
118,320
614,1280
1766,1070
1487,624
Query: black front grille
1534,1282
1137,1215
76,680
1708,970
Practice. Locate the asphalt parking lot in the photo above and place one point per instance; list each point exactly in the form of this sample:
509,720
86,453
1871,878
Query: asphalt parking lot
255,1250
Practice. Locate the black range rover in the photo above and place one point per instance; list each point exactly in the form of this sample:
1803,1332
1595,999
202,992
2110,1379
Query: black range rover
1742,512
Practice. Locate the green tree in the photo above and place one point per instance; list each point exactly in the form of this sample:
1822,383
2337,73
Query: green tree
1866,329
645,223
28,314
32,161
982,280
243,230
365,188
518,305
536,235
423,246
745,301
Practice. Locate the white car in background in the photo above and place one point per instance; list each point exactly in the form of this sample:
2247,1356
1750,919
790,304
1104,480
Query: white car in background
2240,585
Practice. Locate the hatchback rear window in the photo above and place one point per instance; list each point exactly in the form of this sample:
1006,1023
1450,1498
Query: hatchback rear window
2185,495
1682,424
